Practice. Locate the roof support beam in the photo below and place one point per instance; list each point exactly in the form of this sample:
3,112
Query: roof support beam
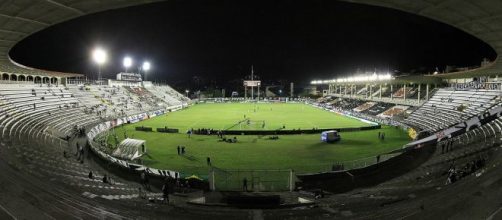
24,19
13,32
66,7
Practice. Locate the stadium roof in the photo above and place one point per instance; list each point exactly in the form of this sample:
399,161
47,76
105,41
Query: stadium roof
21,18
480,18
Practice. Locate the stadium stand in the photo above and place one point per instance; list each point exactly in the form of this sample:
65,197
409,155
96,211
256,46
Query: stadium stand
378,108
168,94
448,107
391,112
364,106
461,179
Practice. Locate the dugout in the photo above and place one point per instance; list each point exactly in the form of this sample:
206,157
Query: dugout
130,149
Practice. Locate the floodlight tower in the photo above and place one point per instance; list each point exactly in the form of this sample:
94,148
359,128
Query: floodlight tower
146,67
99,56
252,89
127,63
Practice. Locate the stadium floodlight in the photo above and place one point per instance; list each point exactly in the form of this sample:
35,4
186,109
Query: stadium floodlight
99,56
127,63
146,67
360,78
187,91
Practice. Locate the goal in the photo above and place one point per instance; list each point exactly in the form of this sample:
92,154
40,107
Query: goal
252,125
256,180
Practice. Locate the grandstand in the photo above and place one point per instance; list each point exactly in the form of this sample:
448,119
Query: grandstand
44,114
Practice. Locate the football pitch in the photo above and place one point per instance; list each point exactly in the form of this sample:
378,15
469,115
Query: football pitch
265,116
302,153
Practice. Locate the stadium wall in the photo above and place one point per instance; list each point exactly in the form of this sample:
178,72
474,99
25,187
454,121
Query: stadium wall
298,131
343,181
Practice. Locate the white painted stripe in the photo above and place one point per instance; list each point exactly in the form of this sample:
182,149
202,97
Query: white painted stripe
8,213
494,213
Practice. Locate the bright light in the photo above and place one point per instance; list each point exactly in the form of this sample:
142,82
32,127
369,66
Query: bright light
146,66
127,62
99,56
361,78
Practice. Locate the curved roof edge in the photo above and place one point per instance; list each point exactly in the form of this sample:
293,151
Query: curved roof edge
20,19
480,18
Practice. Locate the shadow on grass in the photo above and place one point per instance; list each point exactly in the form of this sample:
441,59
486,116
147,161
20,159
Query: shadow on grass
190,157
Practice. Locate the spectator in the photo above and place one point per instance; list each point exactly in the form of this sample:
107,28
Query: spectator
144,180
81,156
142,194
78,149
105,179
91,175
165,192
245,184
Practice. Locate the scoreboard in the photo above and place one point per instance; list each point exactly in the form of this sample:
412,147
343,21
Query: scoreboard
252,83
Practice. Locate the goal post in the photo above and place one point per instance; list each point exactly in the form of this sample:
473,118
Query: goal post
252,180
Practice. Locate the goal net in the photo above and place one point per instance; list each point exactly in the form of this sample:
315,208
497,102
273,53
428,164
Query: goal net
252,125
253,180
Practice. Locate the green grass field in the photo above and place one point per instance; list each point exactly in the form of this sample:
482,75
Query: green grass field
227,116
303,153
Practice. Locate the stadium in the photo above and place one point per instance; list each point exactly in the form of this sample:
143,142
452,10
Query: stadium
367,146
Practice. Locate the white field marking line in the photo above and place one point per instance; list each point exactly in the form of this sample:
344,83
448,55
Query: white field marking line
193,124
8,213
494,213
309,123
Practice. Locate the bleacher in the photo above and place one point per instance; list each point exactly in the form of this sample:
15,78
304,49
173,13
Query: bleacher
401,92
364,106
378,108
40,110
391,112
448,107
168,94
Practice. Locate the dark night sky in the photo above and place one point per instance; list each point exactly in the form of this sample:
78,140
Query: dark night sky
219,40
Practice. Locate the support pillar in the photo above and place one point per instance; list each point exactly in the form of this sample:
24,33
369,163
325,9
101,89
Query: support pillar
404,96
380,93
391,92
419,85
371,91
427,92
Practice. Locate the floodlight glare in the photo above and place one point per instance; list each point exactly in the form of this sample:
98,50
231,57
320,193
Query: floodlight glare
99,56
146,66
127,62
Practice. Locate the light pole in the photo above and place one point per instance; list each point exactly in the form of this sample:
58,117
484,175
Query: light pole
186,91
127,63
99,56
146,67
